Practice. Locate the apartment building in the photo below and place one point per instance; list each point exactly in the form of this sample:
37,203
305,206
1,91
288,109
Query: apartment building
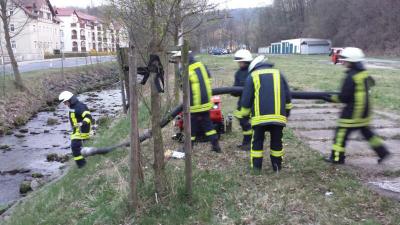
81,32
34,29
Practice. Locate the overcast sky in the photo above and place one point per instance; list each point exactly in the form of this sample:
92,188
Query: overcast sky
223,3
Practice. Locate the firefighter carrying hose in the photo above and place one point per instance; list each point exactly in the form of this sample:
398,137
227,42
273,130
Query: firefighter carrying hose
266,97
244,58
200,102
80,119
356,114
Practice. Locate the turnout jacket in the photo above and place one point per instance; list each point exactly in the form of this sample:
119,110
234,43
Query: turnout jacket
200,87
80,119
355,95
240,80
266,96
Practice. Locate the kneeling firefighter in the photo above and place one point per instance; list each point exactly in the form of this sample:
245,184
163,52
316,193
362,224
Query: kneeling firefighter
244,58
266,97
81,120
200,102
356,114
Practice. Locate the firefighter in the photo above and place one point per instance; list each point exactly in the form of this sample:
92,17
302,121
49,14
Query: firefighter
266,97
244,58
356,114
200,102
81,120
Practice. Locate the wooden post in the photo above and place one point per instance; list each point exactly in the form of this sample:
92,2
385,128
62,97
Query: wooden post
135,144
186,120
122,78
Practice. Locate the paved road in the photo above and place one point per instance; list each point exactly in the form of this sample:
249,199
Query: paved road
56,63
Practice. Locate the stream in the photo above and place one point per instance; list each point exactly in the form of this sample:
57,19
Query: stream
24,151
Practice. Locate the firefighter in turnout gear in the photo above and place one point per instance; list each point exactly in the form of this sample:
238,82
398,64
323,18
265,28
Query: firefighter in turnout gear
200,102
244,58
266,97
81,120
356,114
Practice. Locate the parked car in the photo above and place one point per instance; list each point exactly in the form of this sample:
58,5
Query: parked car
217,51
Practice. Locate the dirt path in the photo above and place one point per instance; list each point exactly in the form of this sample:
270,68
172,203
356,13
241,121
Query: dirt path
314,123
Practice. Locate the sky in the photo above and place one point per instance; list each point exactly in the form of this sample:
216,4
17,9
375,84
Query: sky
223,3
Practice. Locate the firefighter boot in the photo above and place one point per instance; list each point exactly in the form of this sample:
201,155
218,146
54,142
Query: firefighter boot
339,159
257,163
383,154
276,163
246,143
215,146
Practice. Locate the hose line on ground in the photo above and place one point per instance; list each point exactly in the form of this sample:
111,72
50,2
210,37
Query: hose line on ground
89,151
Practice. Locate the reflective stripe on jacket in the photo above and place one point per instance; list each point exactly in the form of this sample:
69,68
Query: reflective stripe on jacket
200,88
80,119
266,96
355,94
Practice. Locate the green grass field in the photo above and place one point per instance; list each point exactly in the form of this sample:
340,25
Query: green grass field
225,190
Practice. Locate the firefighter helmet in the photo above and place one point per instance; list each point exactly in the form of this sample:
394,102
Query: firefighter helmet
243,55
351,54
65,96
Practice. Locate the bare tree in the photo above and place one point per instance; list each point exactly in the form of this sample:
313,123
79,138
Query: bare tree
6,7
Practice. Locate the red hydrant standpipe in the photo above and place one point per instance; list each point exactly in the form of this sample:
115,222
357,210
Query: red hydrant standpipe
88,151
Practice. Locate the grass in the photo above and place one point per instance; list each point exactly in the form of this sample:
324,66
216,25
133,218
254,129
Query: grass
225,190
316,73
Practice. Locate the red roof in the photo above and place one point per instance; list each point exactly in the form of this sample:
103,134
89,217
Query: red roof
32,3
64,11
85,16
29,7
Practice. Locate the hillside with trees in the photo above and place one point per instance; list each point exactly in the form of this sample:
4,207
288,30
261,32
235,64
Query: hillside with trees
369,24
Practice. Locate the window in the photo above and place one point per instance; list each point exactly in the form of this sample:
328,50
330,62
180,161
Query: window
13,44
11,11
34,27
12,28
35,44
49,16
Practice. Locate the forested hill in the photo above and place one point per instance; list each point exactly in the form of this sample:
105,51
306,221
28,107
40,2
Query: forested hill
373,25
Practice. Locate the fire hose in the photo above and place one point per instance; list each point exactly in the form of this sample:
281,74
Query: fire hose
168,117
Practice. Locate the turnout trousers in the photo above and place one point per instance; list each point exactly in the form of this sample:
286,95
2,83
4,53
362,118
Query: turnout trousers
342,135
257,144
76,147
246,130
201,124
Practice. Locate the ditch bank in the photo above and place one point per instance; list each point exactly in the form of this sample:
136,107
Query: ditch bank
42,93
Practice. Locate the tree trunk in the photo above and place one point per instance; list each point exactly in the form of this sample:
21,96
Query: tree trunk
158,146
134,159
177,79
121,61
5,19
186,120
177,29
